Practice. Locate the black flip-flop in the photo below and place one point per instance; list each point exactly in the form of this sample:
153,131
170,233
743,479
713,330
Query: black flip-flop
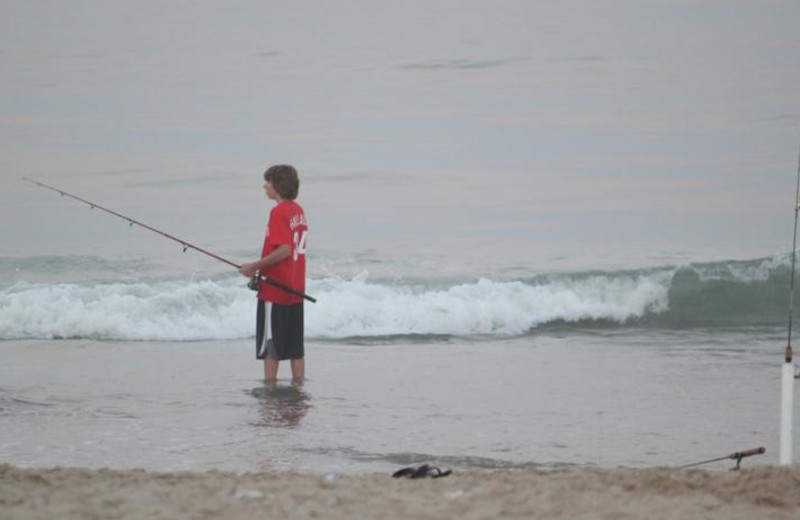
423,471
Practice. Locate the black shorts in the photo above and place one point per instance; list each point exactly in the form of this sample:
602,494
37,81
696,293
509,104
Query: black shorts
279,331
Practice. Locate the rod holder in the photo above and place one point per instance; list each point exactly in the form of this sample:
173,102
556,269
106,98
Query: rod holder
787,415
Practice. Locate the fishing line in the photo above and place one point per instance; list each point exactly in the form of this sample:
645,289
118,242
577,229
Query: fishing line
186,245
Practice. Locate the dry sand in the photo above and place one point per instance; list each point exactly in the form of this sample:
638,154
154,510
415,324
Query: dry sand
759,493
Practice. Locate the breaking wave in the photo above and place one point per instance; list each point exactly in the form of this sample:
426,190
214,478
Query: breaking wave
715,295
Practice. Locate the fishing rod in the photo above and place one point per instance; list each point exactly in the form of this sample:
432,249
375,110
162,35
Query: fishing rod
737,456
788,372
186,245
788,352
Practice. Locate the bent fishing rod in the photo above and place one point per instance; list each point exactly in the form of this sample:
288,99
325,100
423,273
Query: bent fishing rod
186,245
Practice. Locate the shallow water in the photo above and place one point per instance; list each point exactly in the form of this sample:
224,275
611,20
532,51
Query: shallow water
602,398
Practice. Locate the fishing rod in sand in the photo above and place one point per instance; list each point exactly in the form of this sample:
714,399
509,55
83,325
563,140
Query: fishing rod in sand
737,456
788,374
186,245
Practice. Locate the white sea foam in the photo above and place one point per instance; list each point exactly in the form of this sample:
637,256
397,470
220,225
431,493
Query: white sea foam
483,308
746,271
158,311
224,309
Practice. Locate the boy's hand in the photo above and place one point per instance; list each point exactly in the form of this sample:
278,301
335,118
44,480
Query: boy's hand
249,270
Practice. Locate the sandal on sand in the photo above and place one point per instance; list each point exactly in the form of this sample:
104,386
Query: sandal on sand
423,471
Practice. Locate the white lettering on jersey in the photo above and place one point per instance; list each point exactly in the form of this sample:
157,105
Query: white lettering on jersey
299,244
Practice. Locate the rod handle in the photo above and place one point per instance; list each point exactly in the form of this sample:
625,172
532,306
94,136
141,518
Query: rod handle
747,453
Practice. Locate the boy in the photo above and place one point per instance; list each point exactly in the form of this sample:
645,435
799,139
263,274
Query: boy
279,321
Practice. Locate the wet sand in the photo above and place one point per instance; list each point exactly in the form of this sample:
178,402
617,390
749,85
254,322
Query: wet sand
764,492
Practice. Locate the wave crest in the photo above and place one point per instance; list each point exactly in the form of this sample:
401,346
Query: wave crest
724,294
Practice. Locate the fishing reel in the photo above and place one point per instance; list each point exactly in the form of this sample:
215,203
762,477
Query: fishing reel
253,284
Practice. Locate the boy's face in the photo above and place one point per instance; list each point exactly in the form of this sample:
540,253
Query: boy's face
270,191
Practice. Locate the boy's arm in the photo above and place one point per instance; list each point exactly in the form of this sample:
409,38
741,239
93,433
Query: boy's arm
280,254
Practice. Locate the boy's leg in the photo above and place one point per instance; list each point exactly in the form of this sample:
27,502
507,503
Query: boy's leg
287,333
298,369
271,369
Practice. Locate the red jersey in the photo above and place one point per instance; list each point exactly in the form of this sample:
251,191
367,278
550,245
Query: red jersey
287,226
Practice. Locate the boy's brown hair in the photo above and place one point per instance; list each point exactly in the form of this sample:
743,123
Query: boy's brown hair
284,179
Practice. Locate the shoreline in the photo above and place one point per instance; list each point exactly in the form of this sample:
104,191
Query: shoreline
767,491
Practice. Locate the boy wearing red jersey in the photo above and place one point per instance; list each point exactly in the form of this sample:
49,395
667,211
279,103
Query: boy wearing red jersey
279,323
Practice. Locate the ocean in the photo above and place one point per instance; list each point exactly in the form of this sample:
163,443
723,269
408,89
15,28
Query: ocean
119,301
541,233
639,367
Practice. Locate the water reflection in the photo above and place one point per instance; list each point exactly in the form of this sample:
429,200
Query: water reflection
281,405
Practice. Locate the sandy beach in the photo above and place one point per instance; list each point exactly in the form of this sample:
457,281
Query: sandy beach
765,492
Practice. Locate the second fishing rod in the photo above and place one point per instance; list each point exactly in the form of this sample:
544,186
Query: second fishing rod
186,245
